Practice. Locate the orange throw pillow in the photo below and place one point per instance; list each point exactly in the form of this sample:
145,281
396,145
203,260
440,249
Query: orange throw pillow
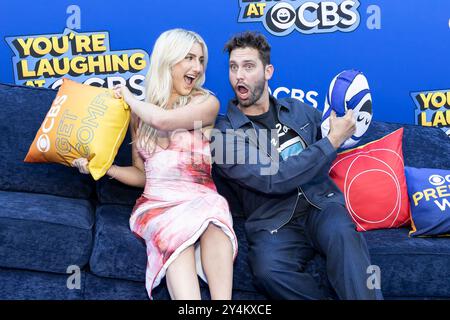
83,122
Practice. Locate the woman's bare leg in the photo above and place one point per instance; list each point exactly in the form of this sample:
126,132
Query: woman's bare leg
217,262
181,277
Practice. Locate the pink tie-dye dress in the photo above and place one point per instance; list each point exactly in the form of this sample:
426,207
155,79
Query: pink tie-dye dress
178,203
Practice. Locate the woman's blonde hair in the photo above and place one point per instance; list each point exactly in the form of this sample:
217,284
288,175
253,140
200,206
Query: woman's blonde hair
171,47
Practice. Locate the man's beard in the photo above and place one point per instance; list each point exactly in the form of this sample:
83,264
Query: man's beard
255,94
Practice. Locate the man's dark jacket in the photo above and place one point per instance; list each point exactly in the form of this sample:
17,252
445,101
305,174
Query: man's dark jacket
268,201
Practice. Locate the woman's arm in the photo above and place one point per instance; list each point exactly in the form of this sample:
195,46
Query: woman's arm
133,175
199,109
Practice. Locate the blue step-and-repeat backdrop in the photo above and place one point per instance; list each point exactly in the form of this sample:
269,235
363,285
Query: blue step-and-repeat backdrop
402,46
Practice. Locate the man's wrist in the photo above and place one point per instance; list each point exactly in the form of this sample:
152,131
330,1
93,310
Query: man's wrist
335,142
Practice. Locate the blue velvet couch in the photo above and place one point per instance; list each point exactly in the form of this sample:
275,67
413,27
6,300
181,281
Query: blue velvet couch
52,218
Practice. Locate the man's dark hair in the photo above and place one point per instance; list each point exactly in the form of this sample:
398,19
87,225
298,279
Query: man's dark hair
250,39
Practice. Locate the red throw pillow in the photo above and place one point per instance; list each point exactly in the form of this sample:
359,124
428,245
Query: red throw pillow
372,178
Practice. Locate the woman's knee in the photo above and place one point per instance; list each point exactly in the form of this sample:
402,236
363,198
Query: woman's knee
213,233
184,261
212,228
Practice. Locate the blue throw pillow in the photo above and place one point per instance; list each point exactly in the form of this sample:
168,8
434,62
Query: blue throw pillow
429,194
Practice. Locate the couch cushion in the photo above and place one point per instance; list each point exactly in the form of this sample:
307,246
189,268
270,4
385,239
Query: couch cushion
23,109
117,252
44,232
99,288
410,267
33,285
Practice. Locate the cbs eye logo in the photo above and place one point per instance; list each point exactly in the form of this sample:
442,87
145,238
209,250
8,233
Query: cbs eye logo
312,17
280,17
437,180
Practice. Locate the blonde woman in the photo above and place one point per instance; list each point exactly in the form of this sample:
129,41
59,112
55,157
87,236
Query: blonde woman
185,223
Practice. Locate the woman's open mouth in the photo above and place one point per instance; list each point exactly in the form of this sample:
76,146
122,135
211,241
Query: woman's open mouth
189,79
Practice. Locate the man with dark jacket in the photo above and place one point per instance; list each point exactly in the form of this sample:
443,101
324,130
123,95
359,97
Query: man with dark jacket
273,157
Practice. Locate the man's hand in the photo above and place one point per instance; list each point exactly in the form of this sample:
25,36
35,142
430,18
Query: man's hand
341,128
81,165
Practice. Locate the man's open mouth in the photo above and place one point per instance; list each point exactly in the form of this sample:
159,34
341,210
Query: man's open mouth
242,91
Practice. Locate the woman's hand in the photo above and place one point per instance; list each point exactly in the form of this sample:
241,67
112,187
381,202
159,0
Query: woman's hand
81,164
121,91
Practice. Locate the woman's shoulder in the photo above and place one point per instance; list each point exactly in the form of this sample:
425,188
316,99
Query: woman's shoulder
202,92
204,96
